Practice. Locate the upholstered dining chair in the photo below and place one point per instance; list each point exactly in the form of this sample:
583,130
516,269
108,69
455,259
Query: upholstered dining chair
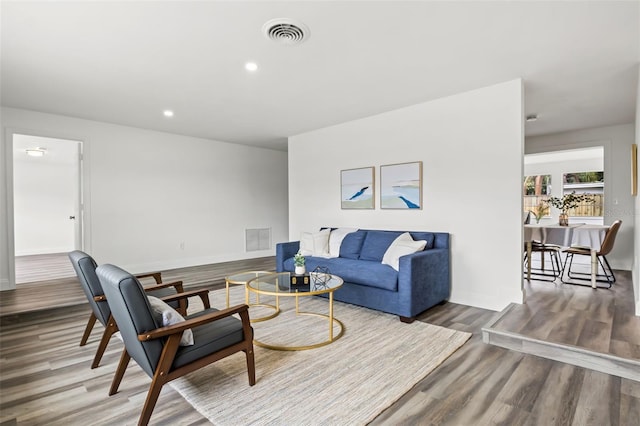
85,267
607,245
157,348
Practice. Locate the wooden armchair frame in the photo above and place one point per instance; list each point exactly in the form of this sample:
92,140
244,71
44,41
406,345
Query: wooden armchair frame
165,374
111,327
157,350
85,266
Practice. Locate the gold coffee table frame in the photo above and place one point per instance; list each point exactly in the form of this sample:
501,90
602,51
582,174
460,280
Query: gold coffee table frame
241,278
281,287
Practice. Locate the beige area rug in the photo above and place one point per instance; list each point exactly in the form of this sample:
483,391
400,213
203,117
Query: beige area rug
348,382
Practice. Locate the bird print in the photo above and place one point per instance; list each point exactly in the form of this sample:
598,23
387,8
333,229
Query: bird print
409,203
359,193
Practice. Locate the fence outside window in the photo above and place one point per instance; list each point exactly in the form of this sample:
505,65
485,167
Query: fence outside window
583,210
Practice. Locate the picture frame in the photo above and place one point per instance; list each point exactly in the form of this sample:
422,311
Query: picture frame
634,169
357,189
401,186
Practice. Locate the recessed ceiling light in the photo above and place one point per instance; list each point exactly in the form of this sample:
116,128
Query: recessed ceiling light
251,66
36,152
532,117
168,113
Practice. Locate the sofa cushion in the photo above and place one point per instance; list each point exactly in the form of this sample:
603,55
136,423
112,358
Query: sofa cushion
376,243
352,244
315,244
429,237
362,272
335,240
401,246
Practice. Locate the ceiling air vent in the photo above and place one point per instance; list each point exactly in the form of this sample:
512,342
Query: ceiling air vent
286,31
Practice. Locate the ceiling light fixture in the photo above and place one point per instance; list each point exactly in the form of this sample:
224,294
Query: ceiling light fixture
36,152
168,113
251,66
532,117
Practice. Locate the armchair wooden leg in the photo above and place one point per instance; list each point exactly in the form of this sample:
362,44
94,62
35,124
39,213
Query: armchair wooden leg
251,366
160,377
150,402
88,328
117,378
109,330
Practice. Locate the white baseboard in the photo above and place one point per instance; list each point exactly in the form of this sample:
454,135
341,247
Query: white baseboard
49,250
6,285
195,261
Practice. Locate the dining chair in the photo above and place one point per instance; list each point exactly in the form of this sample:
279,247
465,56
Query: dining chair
156,347
85,267
543,273
607,245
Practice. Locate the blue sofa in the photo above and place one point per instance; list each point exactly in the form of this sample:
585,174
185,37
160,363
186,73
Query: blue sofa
422,281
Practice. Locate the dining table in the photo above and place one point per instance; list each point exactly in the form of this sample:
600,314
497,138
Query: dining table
573,235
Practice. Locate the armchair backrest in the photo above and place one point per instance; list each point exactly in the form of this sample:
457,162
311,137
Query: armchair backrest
610,238
132,312
85,268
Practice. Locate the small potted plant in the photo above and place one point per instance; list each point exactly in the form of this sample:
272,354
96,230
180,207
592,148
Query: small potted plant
569,201
540,210
299,261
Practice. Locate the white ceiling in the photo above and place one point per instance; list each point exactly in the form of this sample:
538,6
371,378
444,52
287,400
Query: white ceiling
126,62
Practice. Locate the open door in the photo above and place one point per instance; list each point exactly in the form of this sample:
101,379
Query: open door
47,206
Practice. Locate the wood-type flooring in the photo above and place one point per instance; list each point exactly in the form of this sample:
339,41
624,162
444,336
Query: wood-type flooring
45,376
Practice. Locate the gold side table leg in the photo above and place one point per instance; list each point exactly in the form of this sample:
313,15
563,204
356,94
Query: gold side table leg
227,283
331,316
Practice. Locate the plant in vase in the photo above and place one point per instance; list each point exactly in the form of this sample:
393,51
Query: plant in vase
299,261
540,211
569,201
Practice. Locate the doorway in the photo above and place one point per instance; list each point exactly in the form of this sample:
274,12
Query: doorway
559,173
47,206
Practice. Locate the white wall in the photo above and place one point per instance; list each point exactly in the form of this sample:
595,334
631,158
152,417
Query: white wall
619,203
471,146
636,260
148,192
5,281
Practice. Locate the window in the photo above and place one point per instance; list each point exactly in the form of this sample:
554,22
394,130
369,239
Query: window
537,189
586,183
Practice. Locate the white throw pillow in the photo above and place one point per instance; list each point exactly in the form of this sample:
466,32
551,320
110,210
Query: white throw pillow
401,246
315,244
170,316
335,240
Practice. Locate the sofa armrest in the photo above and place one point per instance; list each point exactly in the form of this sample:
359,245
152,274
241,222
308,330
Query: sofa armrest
285,251
424,279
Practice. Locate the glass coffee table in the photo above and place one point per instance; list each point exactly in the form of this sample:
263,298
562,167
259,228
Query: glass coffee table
241,278
280,285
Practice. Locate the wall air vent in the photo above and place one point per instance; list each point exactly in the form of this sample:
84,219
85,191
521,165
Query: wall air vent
286,31
257,239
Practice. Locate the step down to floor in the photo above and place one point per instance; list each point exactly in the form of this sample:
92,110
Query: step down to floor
569,354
